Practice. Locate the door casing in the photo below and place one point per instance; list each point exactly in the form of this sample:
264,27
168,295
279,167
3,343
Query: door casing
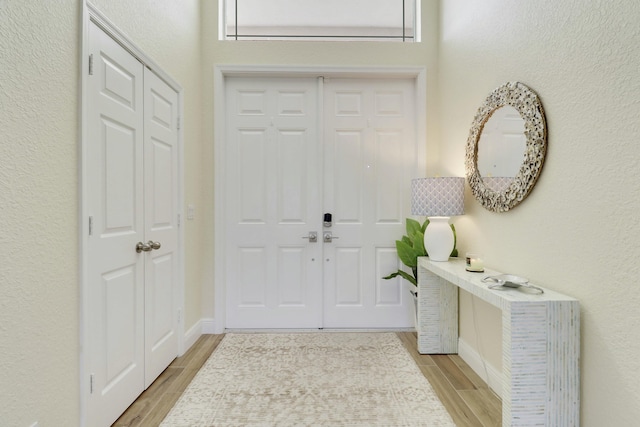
221,72
91,14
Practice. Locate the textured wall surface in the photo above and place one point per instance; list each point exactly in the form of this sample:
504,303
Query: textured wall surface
578,231
40,47
38,212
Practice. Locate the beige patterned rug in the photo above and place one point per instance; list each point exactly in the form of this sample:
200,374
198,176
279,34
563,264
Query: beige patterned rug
309,379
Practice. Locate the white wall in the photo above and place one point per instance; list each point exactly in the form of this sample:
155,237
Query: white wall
40,45
38,220
578,231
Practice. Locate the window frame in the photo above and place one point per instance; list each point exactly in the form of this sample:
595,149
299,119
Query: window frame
410,30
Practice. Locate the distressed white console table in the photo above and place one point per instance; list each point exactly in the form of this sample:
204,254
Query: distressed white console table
540,341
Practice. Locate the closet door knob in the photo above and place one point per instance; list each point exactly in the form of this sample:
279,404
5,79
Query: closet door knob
154,245
143,247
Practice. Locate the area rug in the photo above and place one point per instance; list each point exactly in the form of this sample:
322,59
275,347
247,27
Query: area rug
309,379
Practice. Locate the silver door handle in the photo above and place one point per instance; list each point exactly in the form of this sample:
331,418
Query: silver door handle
143,247
328,237
154,245
313,236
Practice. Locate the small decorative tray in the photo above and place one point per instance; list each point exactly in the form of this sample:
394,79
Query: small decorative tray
510,281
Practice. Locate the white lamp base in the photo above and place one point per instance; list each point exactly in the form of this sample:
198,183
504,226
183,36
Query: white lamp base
438,238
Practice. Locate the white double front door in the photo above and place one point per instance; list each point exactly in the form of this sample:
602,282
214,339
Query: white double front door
131,173
297,149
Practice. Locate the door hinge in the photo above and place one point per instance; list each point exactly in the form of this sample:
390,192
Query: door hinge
91,64
91,381
90,226
178,123
179,218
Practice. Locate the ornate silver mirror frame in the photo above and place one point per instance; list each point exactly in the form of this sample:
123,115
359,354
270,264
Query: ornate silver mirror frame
527,103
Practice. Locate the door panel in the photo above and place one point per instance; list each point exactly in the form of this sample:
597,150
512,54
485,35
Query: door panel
292,150
388,292
290,277
347,280
251,191
390,186
119,151
115,270
349,151
273,274
161,216
252,275
120,310
370,157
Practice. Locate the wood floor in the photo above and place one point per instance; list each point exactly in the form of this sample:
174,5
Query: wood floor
467,398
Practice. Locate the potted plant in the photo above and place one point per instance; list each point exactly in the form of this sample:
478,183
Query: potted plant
410,247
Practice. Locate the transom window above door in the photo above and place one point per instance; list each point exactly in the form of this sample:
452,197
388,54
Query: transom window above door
320,20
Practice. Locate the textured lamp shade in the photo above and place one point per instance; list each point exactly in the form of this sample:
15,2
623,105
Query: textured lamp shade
438,199
437,196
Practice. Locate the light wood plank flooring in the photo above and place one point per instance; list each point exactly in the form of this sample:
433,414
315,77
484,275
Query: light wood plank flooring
467,398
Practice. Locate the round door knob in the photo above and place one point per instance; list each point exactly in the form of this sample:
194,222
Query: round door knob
154,245
143,247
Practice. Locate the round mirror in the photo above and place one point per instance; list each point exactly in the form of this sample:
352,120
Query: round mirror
506,147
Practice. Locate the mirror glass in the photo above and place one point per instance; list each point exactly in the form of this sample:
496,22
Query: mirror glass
501,148
506,147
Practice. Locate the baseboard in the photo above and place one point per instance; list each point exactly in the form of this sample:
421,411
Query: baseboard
491,375
192,335
209,326
202,326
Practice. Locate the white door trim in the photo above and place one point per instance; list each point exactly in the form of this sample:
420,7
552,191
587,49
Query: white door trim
221,72
91,14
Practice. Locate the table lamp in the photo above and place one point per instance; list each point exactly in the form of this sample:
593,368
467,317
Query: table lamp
438,199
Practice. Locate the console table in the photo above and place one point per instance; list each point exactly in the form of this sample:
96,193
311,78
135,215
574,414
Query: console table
540,341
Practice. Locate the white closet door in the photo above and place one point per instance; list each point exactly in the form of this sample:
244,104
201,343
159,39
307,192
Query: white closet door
115,271
132,173
161,216
273,274
370,156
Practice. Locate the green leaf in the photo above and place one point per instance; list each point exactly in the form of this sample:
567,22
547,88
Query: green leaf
407,240
408,277
404,275
412,227
424,225
407,254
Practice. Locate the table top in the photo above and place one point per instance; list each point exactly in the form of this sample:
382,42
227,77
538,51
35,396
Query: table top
454,271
